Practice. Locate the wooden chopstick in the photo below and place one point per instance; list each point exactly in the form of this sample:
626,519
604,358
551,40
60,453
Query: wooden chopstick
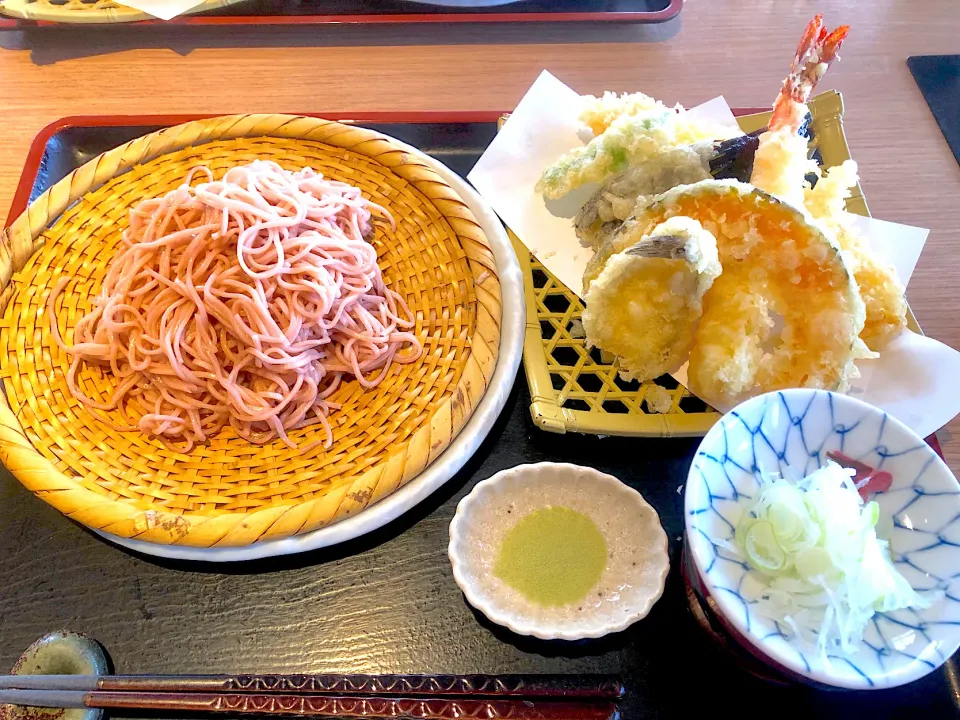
322,706
584,687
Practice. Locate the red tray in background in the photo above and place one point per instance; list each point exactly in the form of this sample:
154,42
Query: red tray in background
361,12
28,184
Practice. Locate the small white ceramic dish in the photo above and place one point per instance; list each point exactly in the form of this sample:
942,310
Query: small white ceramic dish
790,432
637,561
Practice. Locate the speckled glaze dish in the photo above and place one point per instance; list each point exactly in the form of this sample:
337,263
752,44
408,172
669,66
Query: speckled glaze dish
58,653
790,432
637,561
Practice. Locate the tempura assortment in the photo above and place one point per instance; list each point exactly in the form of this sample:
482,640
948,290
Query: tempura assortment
733,253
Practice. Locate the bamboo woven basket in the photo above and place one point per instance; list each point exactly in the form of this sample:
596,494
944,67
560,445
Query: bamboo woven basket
89,11
576,389
230,492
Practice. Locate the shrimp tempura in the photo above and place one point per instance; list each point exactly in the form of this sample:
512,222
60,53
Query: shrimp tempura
781,163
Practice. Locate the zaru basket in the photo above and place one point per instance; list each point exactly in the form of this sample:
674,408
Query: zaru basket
89,11
231,492
574,388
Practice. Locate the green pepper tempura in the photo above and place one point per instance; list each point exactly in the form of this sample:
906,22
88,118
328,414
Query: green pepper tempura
630,139
633,129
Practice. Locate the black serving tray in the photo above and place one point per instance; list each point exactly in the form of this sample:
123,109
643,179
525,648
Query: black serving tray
386,602
359,12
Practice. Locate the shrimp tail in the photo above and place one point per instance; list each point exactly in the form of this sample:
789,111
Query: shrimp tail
817,50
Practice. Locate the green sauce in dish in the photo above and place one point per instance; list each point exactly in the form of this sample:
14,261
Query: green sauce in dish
553,556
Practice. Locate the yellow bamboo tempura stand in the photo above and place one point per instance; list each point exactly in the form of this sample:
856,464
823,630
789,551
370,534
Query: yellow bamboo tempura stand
574,389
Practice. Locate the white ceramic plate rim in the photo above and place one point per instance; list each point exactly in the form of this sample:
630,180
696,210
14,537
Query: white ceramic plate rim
818,672
456,455
539,631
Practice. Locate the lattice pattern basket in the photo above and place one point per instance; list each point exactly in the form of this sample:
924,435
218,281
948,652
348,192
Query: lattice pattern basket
575,389
231,492
89,11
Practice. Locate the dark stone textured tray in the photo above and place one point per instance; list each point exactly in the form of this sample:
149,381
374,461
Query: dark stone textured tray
386,602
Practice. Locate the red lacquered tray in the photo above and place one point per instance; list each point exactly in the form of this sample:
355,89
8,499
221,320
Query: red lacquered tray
359,12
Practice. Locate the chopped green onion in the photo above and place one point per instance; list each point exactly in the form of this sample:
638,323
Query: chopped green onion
814,544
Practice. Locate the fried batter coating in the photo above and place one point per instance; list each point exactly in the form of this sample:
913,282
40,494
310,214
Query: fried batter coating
615,200
658,399
781,267
645,304
600,112
881,290
781,163
884,298
634,129
735,338
630,139
758,334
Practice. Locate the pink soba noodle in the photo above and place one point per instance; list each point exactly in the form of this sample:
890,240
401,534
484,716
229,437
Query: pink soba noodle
241,301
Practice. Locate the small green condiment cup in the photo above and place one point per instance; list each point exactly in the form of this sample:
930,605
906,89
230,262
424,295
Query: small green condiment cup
558,551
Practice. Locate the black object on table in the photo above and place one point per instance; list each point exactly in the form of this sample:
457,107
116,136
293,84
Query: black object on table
320,12
939,79
387,602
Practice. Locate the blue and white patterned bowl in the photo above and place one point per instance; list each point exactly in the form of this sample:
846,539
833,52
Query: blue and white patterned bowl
919,515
